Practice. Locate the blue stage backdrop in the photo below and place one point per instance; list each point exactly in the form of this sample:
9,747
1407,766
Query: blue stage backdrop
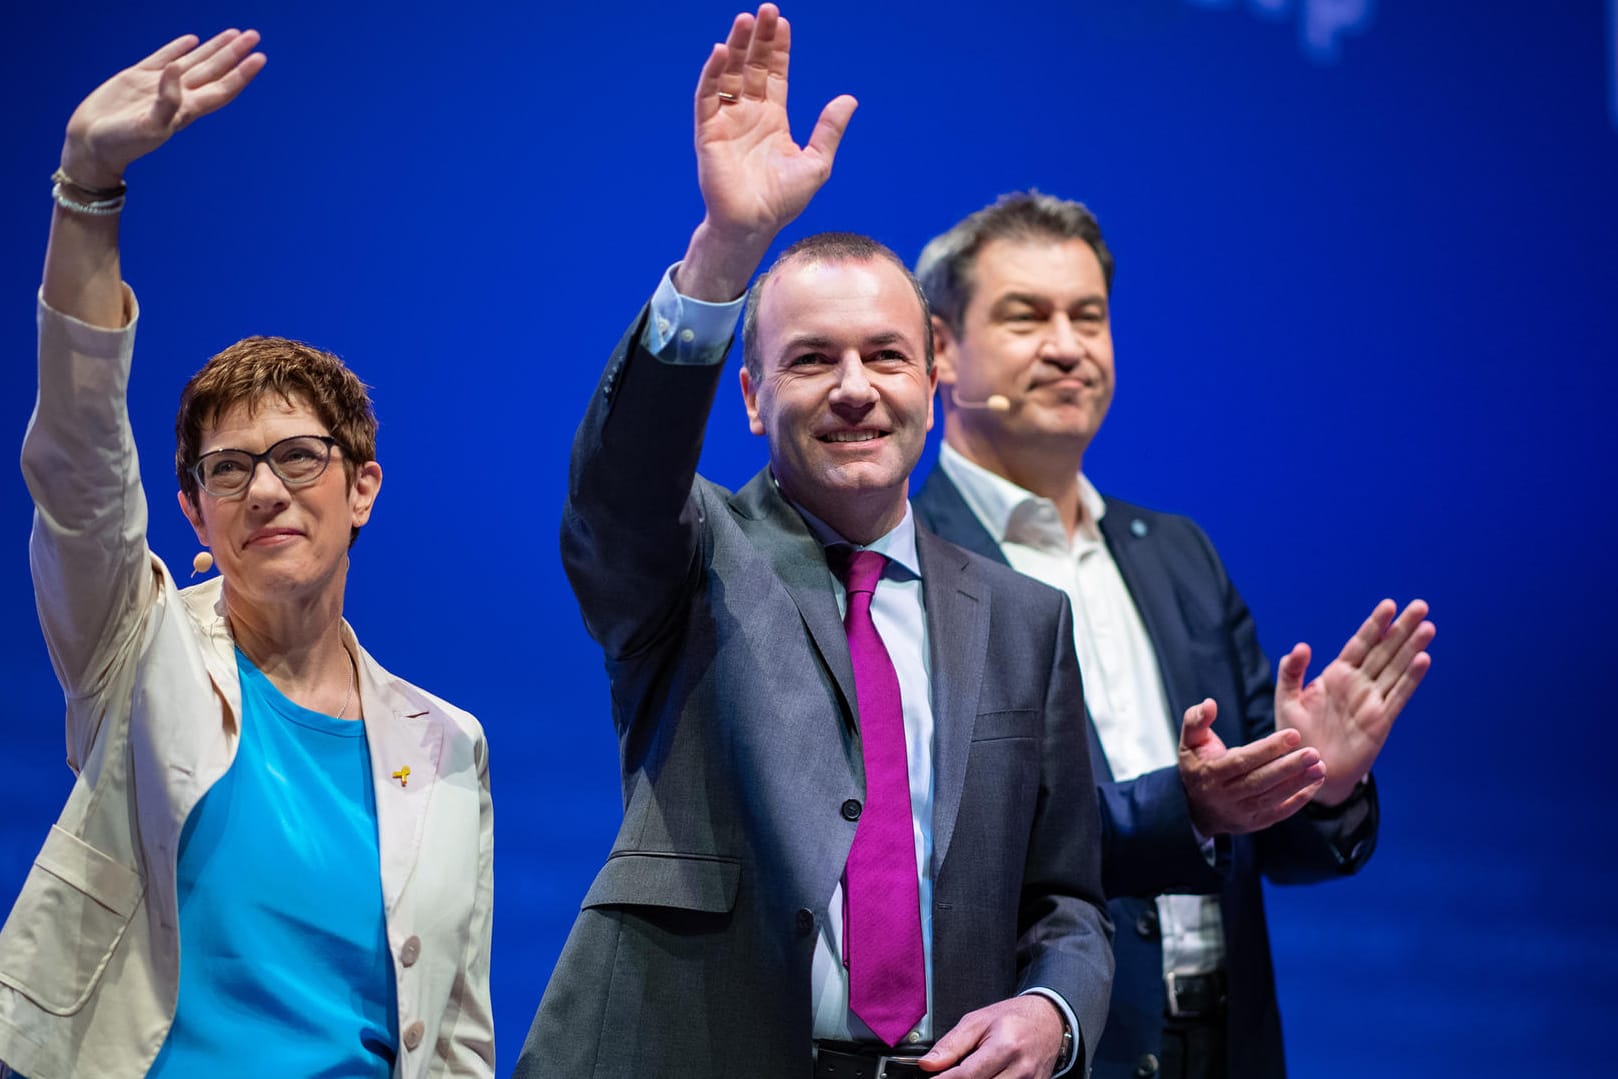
1365,315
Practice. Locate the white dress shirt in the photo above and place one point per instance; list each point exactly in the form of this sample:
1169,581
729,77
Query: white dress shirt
1123,687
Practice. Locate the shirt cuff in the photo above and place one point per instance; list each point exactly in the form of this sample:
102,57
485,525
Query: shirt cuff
1205,843
1350,825
686,331
1067,1017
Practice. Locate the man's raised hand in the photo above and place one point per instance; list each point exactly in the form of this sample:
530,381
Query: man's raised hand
755,179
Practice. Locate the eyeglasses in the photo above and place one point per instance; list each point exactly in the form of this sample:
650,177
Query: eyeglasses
297,462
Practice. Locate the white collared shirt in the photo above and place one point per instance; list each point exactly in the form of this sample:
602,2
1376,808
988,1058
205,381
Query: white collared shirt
1123,686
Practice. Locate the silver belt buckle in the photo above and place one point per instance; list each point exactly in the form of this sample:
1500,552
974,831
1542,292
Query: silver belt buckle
882,1060
1172,984
882,1063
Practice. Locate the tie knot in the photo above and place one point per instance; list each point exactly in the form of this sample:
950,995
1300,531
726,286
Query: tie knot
859,570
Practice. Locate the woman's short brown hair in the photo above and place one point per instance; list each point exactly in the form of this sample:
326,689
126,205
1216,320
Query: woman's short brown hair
256,368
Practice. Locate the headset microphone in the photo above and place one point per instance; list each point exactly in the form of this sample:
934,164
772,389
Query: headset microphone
202,563
995,402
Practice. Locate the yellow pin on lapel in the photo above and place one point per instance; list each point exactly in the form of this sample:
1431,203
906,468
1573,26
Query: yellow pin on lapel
403,776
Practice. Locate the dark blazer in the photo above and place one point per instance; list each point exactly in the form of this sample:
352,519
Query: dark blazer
1206,646
733,698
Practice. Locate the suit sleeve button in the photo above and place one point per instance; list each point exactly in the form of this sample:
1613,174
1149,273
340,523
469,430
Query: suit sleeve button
805,921
1146,1066
412,1034
851,809
410,952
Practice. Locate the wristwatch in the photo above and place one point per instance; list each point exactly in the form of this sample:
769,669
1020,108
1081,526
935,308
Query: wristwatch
1064,1058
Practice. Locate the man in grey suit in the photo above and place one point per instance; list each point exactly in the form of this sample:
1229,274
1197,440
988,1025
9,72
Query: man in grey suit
720,937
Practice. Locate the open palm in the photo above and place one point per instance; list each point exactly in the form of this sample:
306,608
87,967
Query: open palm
1347,711
138,109
755,179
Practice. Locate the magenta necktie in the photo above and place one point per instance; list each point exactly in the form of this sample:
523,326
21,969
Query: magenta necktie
887,978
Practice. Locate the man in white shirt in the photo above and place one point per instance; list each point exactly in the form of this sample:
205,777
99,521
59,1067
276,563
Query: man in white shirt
1020,299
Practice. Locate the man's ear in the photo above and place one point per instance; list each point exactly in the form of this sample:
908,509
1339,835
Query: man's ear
944,351
367,485
755,422
193,513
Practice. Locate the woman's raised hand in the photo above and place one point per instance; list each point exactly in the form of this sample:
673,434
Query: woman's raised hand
135,111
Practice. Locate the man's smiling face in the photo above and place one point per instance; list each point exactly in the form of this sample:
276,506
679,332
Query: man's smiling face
843,393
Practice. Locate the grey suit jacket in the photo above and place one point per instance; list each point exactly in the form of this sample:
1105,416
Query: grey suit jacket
733,698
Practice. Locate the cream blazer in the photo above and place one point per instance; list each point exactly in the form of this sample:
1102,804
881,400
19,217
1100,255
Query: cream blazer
89,957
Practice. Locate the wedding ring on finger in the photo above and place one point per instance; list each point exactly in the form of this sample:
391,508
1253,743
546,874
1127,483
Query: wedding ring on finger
728,98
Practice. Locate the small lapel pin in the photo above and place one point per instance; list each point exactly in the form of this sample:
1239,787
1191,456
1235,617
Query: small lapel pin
1137,528
403,776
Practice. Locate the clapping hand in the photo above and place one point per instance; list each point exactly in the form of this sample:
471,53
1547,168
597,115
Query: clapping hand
1240,790
1347,711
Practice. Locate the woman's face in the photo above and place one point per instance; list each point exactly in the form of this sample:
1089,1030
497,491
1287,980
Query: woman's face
273,543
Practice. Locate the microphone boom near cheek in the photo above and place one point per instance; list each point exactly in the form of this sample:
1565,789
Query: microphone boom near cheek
995,402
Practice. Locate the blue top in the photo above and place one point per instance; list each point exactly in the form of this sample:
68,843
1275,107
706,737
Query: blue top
285,968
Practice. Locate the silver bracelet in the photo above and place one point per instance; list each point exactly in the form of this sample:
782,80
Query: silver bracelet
93,208
94,201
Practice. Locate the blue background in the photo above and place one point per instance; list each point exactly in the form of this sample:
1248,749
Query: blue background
1364,312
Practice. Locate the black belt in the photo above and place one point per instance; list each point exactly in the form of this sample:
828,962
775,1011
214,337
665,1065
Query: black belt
852,1060
1195,996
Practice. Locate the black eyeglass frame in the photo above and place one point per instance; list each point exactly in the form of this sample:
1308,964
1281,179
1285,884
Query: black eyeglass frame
267,459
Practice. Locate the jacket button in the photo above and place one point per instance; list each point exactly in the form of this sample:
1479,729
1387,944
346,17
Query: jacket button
805,921
1146,927
413,1033
410,952
1146,1066
851,809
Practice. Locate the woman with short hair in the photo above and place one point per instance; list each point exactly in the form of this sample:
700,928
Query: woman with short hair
277,856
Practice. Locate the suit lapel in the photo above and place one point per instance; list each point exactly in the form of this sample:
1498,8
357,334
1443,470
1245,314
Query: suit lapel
942,509
957,646
401,731
206,603
799,562
957,612
1136,550
406,738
